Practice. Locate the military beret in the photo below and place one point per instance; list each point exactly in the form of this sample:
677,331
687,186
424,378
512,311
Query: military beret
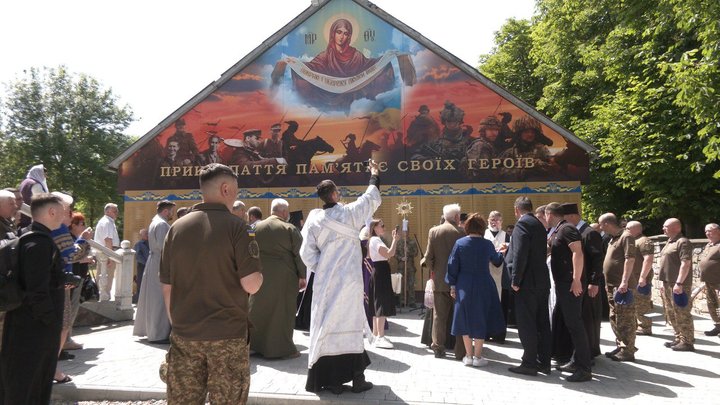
569,208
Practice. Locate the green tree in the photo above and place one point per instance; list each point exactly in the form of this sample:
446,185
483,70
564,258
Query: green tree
509,62
72,125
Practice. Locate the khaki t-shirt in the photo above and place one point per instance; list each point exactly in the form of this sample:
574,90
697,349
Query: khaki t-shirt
644,247
621,247
710,264
675,251
206,253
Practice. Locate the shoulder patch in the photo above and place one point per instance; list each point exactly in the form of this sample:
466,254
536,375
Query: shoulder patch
253,247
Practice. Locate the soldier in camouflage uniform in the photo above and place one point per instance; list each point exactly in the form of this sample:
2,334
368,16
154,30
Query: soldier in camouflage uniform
676,275
453,143
710,273
407,250
644,253
527,145
483,147
618,268
208,354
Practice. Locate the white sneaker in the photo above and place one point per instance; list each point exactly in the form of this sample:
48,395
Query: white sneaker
383,343
468,361
479,362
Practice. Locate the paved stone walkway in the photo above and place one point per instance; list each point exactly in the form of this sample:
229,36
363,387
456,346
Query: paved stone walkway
115,366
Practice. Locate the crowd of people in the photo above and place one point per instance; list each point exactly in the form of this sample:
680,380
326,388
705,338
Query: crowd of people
238,294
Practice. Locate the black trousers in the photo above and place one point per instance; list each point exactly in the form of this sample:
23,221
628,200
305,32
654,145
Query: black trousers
592,318
562,348
533,324
571,307
28,359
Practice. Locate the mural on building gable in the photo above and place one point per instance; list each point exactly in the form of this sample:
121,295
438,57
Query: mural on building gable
342,87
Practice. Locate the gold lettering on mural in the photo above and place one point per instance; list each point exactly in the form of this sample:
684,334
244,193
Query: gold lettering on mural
433,165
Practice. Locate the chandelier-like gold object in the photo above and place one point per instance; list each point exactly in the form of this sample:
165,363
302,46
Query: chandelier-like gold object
404,208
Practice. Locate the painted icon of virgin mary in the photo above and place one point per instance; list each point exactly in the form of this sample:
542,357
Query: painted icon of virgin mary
340,60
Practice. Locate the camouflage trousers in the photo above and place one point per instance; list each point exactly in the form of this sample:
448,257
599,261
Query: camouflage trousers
215,369
711,296
622,321
409,282
643,305
680,318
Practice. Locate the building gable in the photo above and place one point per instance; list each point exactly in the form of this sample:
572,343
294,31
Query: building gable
345,81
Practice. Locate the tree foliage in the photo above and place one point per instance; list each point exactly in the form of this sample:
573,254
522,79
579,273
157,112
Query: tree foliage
640,81
509,63
69,123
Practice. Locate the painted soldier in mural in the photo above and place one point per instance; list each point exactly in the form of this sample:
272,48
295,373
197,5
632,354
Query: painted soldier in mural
211,155
187,149
289,140
273,146
531,159
248,154
506,137
171,157
340,60
453,143
483,148
406,251
352,153
423,128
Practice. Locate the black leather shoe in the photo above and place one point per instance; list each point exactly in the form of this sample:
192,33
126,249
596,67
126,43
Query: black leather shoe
359,384
579,376
714,331
570,367
439,353
524,370
544,369
612,353
671,344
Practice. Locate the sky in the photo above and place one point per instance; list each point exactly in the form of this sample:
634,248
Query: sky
156,54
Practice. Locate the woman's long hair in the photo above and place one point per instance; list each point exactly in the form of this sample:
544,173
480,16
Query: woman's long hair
373,224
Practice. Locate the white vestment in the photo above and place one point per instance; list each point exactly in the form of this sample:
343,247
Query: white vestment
331,250
495,271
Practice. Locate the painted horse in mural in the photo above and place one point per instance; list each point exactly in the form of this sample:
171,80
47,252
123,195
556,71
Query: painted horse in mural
303,152
365,152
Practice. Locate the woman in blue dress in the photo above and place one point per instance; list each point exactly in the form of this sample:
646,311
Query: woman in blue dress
478,314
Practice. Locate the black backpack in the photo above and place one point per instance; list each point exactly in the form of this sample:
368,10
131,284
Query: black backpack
11,294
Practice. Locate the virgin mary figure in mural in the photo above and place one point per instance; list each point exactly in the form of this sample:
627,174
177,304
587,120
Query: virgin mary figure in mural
341,74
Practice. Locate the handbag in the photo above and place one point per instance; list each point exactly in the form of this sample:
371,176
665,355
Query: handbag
89,291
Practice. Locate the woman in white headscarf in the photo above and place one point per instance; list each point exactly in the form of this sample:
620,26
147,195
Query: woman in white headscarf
35,183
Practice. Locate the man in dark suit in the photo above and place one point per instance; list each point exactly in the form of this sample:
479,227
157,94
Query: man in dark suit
592,274
441,240
530,281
